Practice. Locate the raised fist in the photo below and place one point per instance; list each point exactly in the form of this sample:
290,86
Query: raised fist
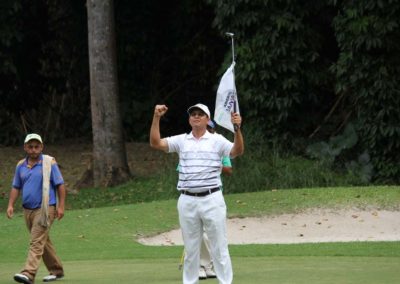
160,110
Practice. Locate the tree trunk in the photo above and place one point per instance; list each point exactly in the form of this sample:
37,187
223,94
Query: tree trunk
110,166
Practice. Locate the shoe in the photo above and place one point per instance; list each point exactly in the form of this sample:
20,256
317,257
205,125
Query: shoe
210,273
50,278
202,273
22,278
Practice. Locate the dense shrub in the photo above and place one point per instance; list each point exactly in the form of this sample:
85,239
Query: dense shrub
306,69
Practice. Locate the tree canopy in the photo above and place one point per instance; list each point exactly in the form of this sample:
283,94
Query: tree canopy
305,72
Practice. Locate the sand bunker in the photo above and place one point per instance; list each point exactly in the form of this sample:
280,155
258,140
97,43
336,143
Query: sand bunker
309,227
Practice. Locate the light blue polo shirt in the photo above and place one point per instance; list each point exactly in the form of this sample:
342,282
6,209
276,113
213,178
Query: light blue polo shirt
30,182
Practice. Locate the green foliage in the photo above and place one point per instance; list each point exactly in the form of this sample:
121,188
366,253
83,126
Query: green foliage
303,69
175,64
135,191
43,45
10,36
44,73
362,168
265,165
367,73
282,66
327,153
287,51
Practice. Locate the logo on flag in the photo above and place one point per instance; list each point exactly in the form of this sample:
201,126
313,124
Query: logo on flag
229,104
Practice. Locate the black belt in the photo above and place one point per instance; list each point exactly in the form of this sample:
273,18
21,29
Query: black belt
203,193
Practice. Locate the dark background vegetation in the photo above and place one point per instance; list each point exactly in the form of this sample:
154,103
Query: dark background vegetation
317,80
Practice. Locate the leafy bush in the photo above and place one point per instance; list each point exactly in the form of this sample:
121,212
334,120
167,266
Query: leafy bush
367,74
305,65
282,62
327,153
266,166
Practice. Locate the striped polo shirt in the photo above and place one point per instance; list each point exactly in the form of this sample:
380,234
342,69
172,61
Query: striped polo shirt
199,160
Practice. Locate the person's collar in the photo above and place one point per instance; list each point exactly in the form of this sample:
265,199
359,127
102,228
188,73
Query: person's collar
205,136
40,160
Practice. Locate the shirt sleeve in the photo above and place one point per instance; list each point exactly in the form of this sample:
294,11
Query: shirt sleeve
174,143
226,162
17,182
225,145
55,176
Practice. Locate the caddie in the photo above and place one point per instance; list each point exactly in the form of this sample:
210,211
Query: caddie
38,179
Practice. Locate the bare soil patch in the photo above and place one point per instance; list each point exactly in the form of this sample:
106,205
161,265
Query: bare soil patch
74,159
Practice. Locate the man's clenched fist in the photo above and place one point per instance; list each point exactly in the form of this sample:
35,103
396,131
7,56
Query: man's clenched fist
160,110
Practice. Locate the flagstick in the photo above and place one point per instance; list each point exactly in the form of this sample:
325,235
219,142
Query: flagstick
233,46
235,126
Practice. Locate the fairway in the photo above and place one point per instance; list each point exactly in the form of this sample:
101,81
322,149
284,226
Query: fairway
247,270
98,245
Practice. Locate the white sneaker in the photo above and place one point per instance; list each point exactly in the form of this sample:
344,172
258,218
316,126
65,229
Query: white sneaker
210,273
202,273
22,278
50,278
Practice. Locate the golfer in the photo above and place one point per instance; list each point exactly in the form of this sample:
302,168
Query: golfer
38,179
201,203
206,269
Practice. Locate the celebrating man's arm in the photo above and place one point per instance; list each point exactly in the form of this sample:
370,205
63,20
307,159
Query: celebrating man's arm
155,137
238,143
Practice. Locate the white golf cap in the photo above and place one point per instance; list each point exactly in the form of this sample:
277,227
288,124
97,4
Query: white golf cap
33,136
201,107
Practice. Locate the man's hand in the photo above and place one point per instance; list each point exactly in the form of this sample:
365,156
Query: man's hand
238,143
160,110
155,137
60,213
236,119
10,212
14,193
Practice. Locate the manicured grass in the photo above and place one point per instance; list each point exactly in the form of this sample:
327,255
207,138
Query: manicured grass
282,200
298,200
82,234
247,270
98,245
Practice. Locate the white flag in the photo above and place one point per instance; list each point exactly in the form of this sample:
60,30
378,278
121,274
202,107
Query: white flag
226,101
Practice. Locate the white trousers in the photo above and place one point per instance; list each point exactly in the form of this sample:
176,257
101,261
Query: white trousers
205,257
208,212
